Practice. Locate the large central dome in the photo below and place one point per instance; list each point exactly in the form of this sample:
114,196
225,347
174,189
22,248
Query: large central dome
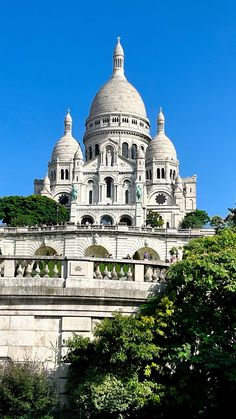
118,95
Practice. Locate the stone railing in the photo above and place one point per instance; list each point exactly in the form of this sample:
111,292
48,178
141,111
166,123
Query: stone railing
117,227
65,272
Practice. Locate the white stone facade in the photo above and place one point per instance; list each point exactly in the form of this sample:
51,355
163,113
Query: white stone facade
120,157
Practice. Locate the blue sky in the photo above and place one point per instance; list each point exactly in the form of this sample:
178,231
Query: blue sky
180,55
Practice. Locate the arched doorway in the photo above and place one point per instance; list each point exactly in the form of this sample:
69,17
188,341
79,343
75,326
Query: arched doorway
126,220
46,251
152,254
96,251
87,220
106,220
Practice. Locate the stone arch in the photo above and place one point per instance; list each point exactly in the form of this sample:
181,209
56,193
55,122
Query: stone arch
139,254
46,251
127,219
87,219
96,251
106,219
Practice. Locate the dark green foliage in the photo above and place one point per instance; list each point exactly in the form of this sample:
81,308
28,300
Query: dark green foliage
25,391
109,376
231,217
31,210
177,356
154,219
217,222
195,219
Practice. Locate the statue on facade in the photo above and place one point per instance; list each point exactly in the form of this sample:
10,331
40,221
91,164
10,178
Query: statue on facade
74,193
138,192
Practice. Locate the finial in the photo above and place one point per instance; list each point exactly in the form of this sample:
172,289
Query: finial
160,121
118,59
68,122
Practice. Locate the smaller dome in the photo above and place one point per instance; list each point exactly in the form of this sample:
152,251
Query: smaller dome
65,148
161,147
78,154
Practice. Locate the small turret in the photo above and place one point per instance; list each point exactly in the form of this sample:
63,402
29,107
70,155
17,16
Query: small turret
160,122
118,59
68,123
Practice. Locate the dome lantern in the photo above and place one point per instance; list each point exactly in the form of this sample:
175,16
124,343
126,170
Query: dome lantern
160,121
118,59
68,123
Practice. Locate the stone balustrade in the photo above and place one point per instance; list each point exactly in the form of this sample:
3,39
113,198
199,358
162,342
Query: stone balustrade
117,227
64,272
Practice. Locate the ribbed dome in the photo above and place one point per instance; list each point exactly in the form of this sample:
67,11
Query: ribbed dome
118,95
65,148
161,148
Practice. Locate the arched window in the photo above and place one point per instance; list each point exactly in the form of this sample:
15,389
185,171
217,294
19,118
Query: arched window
133,151
167,224
126,186
90,197
90,153
174,174
147,174
90,191
158,173
126,196
170,173
163,173
96,149
125,150
67,174
109,187
54,174
62,174
150,174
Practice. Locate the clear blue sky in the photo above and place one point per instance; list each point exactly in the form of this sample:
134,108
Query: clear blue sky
180,55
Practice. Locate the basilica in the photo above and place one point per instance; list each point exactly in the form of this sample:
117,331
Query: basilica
124,173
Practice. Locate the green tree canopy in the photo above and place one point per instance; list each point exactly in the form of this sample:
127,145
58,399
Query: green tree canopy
154,219
231,217
31,210
177,356
195,219
25,391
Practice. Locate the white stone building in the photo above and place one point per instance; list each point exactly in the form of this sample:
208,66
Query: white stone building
125,172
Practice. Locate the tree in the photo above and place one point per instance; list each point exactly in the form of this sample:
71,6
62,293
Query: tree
198,361
25,391
195,219
31,210
217,222
109,376
154,219
176,357
231,217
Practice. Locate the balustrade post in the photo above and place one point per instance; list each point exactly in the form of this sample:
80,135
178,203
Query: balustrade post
139,273
9,268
